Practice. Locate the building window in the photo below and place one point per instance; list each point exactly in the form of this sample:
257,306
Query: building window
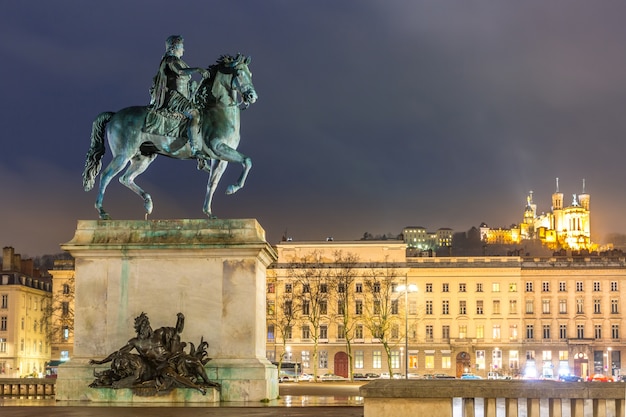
341,288
496,306
306,358
495,287
429,332
324,332
394,307
445,307
545,306
563,306
3,345
580,331
5,301
395,331
358,288
3,323
529,307
65,307
288,308
614,306
614,286
429,287
512,306
323,307
377,359
412,307
306,332
496,332
270,332
530,331
445,332
323,359
597,331
462,331
479,287
529,286
288,288
271,308
512,287
358,359
376,306
306,288
480,331
358,307
545,286
596,286
323,288
341,331
358,331
580,309
530,355
462,307
395,359
479,307
513,359
66,333
615,331
546,331
429,360
562,331
287,334
306,307
461,287
596,306
513,332
579,286
562,286
446,361
445,287
429,307
270,288
376,287
340,307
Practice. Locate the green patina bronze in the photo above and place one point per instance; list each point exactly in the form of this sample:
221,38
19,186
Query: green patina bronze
210,114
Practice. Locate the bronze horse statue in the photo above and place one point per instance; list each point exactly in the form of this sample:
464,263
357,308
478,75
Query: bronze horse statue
219,98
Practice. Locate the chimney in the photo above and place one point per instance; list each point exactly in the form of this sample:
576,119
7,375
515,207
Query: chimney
7,258
28,267
17,262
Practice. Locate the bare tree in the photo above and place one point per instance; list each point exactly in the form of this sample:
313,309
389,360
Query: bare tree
284,316
381,312
59,312
311,292
344,276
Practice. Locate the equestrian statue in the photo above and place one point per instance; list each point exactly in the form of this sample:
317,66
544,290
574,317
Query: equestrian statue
185,120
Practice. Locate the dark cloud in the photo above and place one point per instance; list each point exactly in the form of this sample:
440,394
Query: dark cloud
372,115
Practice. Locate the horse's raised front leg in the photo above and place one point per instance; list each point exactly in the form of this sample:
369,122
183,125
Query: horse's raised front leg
115,166
216,170
229,154
138,164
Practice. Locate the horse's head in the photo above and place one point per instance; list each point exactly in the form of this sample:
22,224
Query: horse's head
230,77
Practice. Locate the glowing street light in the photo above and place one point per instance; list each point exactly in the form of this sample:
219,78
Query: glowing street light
406,288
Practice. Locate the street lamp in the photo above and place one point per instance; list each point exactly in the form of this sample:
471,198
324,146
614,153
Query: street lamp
407,289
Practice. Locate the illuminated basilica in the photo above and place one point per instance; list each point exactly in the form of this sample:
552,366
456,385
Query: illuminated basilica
564,227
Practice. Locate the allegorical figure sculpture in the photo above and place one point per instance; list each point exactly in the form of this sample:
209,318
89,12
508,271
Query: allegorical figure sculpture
181,122
160,363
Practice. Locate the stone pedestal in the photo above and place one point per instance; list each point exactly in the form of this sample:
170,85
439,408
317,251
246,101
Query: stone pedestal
212,271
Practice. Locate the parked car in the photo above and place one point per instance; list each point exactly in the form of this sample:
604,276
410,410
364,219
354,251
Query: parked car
286,378
443,376
470,376
331,377
358,376
372,375
384,375
414,376
305,378
600,378
570,378
397,375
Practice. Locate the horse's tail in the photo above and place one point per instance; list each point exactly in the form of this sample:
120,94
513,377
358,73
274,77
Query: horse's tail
93,163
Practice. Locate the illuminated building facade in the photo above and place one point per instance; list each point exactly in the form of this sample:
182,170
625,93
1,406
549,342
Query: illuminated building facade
518,316
564,227
24,299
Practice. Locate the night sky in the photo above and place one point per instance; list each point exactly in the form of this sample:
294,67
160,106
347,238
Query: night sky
372,115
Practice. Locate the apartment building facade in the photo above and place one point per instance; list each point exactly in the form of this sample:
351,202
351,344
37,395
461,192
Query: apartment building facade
522,317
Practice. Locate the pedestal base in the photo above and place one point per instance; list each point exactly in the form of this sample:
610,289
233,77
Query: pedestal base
212,271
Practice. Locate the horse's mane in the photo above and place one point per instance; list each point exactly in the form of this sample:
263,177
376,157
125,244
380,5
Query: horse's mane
225,64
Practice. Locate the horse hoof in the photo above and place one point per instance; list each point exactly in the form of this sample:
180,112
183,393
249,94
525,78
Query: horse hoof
231,189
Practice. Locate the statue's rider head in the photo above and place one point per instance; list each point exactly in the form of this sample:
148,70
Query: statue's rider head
174,45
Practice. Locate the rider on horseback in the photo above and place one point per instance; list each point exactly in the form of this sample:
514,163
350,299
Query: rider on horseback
172,90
